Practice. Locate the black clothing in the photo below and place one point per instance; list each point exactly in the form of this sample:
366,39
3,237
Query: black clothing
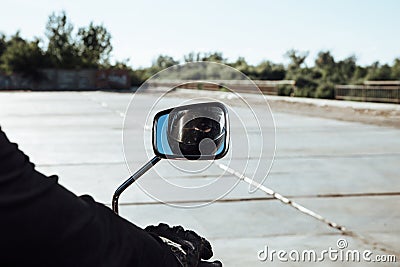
43,224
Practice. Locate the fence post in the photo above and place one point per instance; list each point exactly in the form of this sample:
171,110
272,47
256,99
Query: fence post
398,95
364,93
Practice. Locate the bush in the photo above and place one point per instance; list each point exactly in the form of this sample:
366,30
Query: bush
305,87
303,82
138,77
285,90
222,88
304,92
326,90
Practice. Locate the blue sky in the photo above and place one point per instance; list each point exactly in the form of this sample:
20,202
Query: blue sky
256,30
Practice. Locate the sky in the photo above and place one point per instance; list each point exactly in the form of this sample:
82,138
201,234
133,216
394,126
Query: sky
255,30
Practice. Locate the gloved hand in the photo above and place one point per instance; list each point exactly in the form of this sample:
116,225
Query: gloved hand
188,247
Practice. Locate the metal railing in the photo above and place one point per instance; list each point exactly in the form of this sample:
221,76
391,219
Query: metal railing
268,87
373,93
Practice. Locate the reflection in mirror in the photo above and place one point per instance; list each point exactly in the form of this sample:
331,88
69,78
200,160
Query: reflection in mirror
196,132
161,135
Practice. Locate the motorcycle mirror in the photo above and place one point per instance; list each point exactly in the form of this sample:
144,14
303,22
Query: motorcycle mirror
194,132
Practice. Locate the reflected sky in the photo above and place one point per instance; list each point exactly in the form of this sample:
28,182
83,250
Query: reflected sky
161,135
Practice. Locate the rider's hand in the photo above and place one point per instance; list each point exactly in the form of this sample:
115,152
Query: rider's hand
189,248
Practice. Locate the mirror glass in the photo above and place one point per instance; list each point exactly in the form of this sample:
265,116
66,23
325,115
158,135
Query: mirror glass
196,132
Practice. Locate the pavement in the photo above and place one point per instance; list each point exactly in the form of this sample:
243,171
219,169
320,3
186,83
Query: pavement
346,172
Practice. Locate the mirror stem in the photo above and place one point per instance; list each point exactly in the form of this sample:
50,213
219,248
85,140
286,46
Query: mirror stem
131,180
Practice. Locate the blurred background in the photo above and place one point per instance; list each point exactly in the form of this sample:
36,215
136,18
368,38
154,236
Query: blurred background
316,45
330,71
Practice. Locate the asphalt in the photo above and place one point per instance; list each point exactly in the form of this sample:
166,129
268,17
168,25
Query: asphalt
346,172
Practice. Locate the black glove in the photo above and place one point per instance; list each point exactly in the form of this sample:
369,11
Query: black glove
188,247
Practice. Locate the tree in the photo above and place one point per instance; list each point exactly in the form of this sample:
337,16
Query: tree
122,65
191,57
267,70
359,75
384,73
213,57
396,69
325,61
306,78
347,69
164,61
241,65
61,47
297,59
3,46
340,72
3,43
378,72
94,45
23,57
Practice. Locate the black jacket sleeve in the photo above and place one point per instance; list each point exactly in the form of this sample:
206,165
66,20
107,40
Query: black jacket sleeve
43,224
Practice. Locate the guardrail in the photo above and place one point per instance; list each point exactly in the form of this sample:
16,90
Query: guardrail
372,93
268,87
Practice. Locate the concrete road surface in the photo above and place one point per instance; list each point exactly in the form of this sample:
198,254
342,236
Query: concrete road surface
346,172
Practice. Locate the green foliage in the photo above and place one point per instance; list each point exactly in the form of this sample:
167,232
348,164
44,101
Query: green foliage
325,60
212,57
359,75
163,62
285,90
378,72
396,69
121,65
139,76
23,57
326,90
91,46
240,64
3,43
61,48
297,60
267,70
346,68
305,87
94,45
191,57
224,89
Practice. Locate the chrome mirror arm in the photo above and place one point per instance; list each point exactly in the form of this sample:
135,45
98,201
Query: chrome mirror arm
131,180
